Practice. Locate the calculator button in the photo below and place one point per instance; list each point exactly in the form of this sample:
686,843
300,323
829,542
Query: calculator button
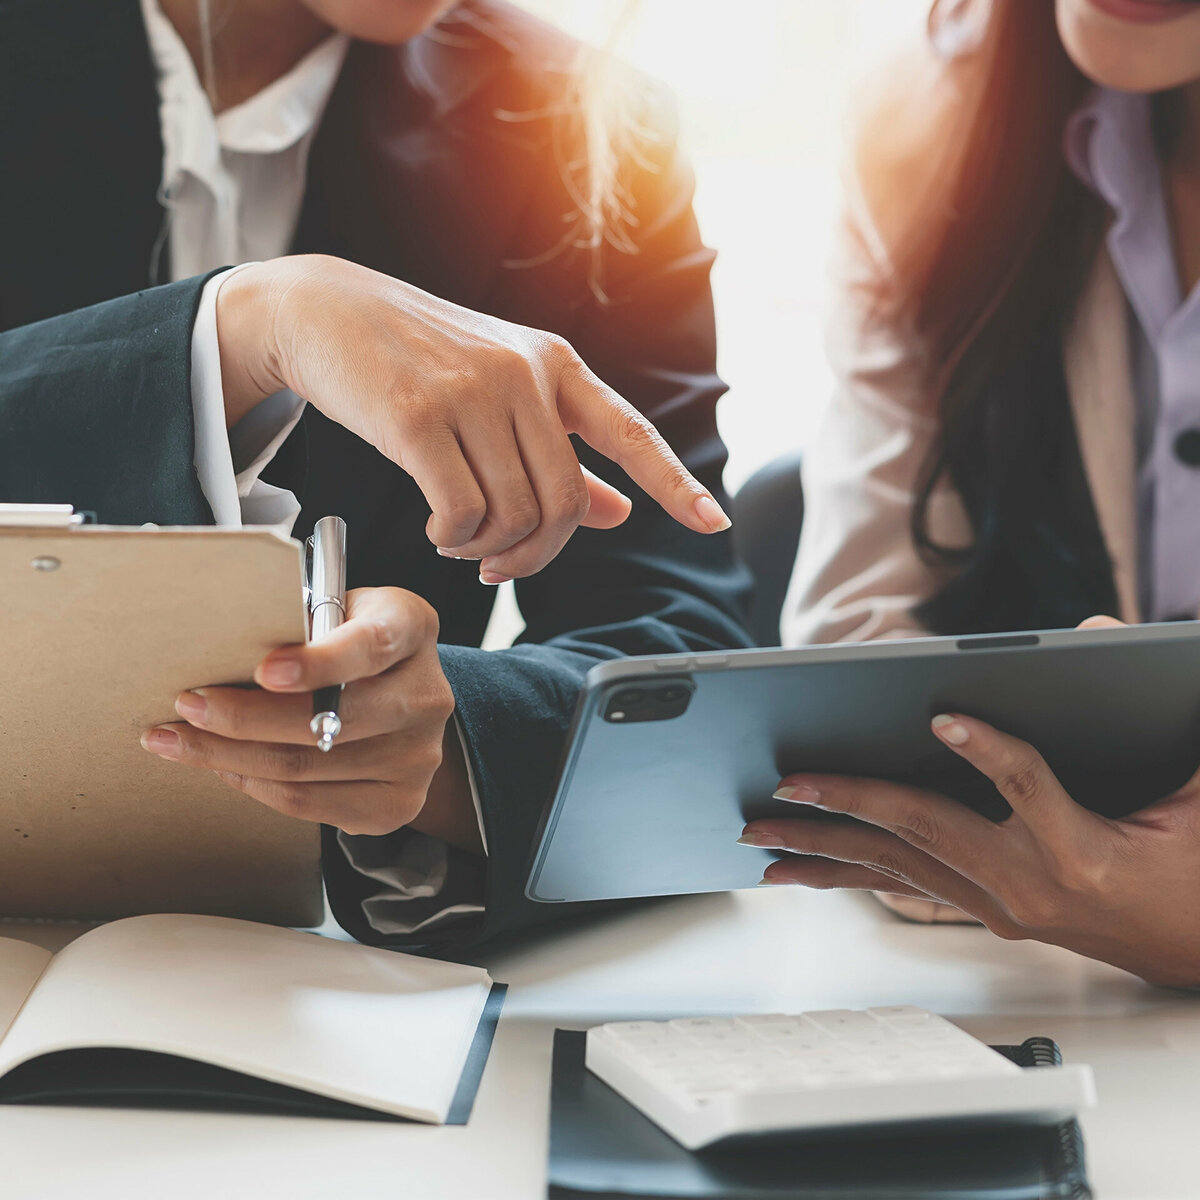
891,1012
842,1021
692,1025
784,1033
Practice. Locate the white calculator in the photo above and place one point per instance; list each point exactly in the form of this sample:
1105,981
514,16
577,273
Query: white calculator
708,1079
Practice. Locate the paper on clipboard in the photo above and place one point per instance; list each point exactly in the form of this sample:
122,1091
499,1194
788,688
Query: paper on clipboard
100,629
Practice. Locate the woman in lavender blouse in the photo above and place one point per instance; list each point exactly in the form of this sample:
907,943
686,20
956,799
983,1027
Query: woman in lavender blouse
1015,443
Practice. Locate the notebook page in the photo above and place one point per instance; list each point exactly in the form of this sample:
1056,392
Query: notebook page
20,966
370,1026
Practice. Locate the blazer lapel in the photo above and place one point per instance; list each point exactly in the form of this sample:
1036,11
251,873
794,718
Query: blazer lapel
410,141
1096,362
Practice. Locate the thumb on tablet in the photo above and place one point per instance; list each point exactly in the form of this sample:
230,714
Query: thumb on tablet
1100,623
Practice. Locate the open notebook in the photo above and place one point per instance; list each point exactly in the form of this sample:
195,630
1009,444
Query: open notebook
209,1011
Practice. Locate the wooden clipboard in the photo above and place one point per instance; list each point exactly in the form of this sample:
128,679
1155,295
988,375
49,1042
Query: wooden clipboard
100,629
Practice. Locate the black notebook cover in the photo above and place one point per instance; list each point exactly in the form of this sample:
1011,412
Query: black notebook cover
114,1077
602,1148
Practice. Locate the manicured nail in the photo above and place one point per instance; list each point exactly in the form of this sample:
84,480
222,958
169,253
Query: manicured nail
799,793
192,707
282,672
447,553
712,514
768,841
163,742
950,730
492,578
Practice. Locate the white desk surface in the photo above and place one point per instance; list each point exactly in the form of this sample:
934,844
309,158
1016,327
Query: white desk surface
768,950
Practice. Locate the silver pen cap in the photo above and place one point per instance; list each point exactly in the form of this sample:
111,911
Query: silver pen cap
328,577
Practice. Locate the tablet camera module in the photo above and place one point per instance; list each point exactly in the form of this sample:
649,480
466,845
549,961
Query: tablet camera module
662,700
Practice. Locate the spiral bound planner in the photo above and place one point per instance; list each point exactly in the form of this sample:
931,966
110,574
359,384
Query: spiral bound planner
602,1148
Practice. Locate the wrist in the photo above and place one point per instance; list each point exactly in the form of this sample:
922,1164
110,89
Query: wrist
245,309
449,811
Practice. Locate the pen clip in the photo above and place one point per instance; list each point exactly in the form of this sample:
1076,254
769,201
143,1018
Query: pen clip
308,580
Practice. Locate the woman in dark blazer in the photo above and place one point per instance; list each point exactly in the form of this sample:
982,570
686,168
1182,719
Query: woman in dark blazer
443,160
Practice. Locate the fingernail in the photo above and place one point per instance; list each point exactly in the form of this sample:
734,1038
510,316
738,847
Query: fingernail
767,841
163,742
192,707
712,514
282,672
766,882
492,578
950,730
799,793
447,553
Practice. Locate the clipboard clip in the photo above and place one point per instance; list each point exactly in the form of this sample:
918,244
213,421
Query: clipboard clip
43,516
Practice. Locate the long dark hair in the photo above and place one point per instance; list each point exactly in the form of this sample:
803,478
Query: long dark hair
988,278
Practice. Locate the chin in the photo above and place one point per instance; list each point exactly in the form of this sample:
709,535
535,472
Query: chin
386,22
1132,55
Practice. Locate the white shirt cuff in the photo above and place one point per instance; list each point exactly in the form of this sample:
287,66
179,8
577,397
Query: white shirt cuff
229,462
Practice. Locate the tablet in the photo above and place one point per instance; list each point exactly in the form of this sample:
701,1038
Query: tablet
669,756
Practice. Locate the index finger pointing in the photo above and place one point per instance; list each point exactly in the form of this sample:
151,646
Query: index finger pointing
616,429
383,626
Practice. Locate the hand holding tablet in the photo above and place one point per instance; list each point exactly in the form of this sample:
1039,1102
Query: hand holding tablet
1043,783
1053,871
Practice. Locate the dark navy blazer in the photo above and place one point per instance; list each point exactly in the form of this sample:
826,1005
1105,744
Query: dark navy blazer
418,170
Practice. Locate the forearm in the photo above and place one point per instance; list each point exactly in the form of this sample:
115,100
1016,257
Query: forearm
95,410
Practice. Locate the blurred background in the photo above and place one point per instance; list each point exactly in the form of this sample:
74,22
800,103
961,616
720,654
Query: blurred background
763,88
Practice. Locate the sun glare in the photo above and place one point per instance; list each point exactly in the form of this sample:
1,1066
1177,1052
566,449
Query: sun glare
763,87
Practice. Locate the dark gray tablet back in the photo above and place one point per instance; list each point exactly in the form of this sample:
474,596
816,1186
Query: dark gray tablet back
654,807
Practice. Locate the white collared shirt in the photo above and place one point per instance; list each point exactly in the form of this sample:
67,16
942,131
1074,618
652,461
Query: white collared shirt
232,190
232,187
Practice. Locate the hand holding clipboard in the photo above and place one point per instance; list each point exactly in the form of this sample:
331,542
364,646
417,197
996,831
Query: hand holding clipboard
371,667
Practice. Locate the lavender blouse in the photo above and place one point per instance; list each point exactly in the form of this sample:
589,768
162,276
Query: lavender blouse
1109,145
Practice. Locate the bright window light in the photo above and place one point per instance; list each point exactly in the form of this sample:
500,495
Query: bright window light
763,87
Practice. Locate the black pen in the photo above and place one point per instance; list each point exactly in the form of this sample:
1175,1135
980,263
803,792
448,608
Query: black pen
326,564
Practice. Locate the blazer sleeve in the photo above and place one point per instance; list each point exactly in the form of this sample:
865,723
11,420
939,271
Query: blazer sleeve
648,587
96,410
858,574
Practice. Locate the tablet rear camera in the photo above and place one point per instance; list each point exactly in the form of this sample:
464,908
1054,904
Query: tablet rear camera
660,702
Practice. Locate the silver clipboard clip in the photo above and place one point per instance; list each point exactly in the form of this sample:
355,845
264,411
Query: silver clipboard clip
43,516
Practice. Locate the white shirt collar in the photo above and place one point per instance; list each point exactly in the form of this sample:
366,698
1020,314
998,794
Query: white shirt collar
269,122
288,109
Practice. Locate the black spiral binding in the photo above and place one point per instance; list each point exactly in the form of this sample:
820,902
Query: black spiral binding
1063,1157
